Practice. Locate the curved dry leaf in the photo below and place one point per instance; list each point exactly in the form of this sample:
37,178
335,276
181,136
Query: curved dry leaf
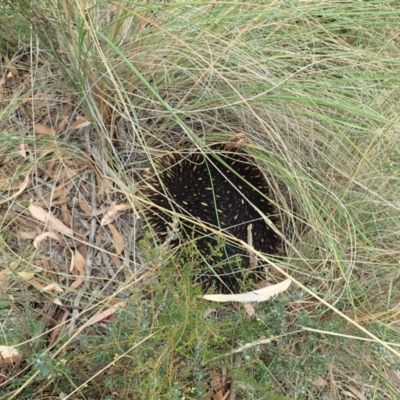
256,296
44,235
81,122
106,313
84,207
62,123
22,150
65,214
45,216
52,287
78,268
122,207
60,191
118,240
78,265
112,214
109,217
77,283
23,186
26,235
47,130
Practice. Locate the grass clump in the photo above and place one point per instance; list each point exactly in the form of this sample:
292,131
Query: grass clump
91,95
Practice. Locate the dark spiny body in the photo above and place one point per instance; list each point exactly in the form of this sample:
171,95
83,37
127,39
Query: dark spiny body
203,188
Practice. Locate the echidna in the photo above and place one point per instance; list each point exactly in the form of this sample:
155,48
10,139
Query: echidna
219,190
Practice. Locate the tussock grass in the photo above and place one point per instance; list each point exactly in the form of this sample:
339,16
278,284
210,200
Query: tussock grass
312,87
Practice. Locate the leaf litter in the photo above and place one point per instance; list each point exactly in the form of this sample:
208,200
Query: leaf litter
53,199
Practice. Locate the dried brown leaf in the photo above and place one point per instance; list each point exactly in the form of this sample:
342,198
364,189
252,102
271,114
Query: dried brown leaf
78,265
52,287
9,355
254,296
66,215
22,150
26,235
218,391
112,214
216,381
62,124
118,240
80,122
61,190
78,268
47,130
28,223
22,187
82,248
116,261
45,235
85,207
47,217
106,313
50,167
